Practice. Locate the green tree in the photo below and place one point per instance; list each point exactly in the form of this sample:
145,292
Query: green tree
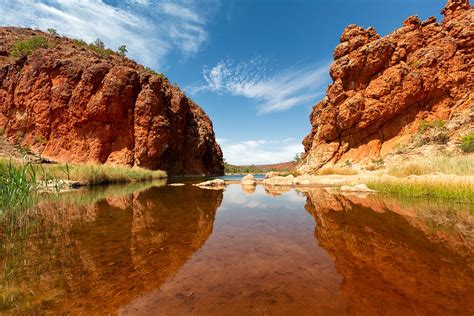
98,42
297,157
122,50
53,32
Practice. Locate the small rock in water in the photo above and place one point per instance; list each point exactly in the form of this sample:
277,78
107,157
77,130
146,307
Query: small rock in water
249,180
212,184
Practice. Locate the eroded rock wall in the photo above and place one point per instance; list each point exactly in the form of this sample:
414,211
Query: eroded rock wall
383,87
71,104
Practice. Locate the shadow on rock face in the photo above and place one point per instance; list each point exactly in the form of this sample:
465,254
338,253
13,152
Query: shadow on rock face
397,257
111,249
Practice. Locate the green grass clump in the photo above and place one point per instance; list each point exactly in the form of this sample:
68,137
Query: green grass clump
16,184
79,42
159,74
427,125
100,50
27,46
459,190
18,194
467,143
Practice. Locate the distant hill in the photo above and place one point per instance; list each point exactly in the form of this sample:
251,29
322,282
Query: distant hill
283,166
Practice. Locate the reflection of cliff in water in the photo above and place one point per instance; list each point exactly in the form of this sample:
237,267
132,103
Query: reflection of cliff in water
115,249
397,258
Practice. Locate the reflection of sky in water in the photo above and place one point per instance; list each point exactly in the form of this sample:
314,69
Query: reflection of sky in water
234,197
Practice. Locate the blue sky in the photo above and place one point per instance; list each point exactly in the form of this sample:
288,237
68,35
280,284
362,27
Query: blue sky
256,67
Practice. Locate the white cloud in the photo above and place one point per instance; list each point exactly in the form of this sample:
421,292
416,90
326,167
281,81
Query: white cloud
260,151
150,29
277,92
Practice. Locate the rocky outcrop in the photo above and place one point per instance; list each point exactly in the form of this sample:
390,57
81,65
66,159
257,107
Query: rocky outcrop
385,87
70,103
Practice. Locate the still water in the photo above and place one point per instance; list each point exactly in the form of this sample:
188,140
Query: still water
152,249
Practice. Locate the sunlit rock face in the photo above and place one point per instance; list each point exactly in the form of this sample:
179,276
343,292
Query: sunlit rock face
68,103
384,86
397,258
101,248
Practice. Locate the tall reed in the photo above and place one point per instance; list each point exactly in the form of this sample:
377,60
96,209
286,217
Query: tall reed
18,193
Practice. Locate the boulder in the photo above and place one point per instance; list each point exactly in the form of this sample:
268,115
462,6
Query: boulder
279,180
249,180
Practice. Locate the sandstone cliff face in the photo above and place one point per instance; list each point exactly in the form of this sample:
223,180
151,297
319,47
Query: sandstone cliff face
383,87
69,103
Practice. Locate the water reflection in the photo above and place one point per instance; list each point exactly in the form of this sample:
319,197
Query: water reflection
248,188
262,259
154,249
408,258
101,248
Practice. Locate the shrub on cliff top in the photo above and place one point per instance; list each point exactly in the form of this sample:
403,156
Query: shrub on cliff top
151,71
122,50
79,42
27,46
53,32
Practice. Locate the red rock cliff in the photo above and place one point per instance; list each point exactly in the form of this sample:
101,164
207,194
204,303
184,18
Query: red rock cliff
383,87
69,103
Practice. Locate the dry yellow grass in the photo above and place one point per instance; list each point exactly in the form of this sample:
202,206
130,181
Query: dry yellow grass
92,174
455,165
336,170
